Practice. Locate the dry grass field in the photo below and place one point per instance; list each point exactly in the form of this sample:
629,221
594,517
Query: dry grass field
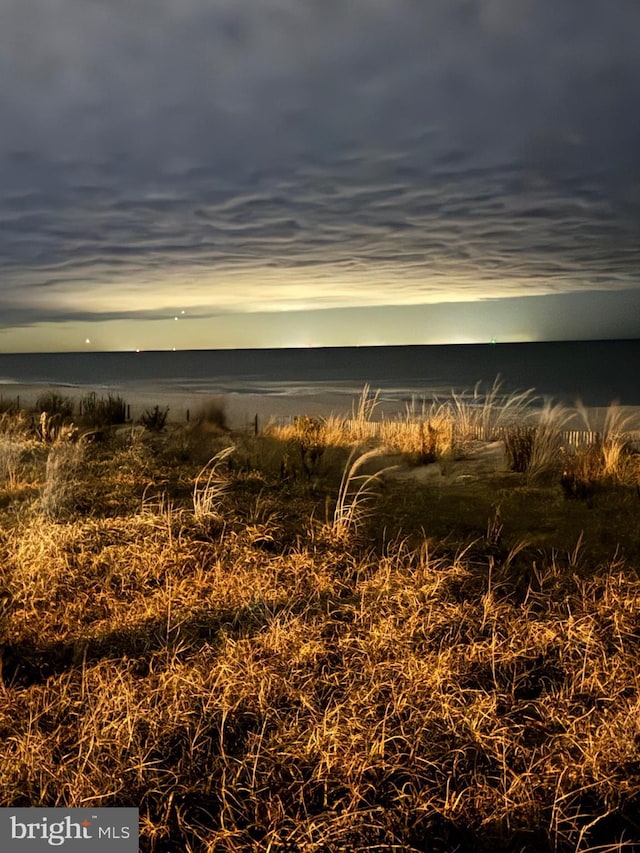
328,636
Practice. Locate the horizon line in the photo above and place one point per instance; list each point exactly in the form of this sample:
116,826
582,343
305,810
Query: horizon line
490,343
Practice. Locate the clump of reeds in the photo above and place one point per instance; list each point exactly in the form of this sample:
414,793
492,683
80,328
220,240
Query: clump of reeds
535,449
362,412
211,485
425,434
310,440
485,415
99,412
11,452
614,443
610,460
518,442
16,441
581,472
52,428
60,493
356,490
55,405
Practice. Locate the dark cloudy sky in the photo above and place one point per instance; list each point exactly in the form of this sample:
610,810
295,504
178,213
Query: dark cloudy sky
291,172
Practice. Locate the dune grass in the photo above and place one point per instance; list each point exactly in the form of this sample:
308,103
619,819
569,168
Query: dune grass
428,430
441,665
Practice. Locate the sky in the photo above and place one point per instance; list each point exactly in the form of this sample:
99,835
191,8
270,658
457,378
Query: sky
233,173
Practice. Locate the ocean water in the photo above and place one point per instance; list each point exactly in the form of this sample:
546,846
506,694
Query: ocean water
596,372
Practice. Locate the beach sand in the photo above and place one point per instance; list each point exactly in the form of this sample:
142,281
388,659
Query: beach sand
241,409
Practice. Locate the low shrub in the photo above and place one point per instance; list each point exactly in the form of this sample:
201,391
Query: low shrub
155,419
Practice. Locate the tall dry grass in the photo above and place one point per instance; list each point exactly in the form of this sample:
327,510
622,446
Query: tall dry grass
428,431
259,687
320,699
59,494
437,431
210,486
356,491
545,461
17,442
11,452
614,444
485,414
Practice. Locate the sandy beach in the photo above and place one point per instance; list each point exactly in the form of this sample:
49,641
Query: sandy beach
241,409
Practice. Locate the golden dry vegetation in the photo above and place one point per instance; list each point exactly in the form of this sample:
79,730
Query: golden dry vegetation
281,643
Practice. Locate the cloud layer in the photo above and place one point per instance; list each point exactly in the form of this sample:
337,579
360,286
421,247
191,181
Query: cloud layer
290,155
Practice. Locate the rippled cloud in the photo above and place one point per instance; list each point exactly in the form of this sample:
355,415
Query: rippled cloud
234,157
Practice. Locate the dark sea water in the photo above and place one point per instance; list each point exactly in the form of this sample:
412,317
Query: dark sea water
596,372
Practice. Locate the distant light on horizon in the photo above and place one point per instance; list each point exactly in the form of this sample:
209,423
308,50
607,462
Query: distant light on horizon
373,173
528,319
